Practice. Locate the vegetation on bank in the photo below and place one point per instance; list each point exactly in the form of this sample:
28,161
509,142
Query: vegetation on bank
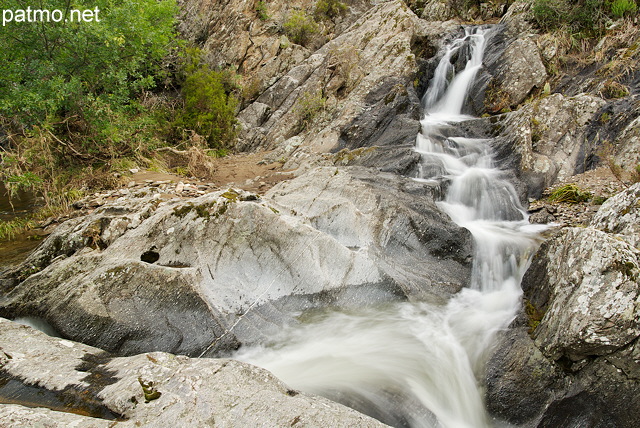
81,102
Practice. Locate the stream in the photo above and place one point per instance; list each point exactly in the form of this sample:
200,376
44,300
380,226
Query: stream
419,364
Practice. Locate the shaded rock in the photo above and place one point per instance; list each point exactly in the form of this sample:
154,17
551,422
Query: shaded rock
520,381
156,389
394,220
528,390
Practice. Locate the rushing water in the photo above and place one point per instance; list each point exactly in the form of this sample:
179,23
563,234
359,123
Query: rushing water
420,364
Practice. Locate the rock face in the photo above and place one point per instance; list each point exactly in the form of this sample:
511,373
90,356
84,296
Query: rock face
149,390
547,139
589,293
211,270
621,215
330,89
578,366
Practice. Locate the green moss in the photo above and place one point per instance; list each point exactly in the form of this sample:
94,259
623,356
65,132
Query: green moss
389,98
534,315
149,391
202,210
275,211
231,195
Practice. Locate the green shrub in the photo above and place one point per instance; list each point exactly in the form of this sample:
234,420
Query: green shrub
582,18
550,14
261,11
569,193
621,8
300,27
308,107
327,9
209,106
613,89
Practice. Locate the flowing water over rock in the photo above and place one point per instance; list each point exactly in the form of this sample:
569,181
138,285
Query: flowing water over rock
419,364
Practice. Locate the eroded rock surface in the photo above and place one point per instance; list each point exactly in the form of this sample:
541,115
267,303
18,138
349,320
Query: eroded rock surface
154,389
142,274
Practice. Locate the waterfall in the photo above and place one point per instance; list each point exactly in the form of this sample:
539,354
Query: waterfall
418,364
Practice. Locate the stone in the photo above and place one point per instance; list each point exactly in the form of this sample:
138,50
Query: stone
202,275
153,389
620,215
586,284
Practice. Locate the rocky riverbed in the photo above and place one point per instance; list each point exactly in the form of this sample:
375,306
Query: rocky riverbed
142,280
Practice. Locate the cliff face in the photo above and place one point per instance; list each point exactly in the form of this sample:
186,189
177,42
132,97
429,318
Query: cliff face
341,106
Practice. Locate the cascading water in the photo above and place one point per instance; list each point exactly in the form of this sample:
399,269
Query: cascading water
418,364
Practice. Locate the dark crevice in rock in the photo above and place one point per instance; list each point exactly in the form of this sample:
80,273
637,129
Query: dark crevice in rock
76,399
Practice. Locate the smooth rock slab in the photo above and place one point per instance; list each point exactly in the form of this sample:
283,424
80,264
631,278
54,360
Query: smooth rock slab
192,392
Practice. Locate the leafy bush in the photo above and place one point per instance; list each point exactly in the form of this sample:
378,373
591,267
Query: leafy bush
583,18
261,11
209,106
74,97
327,9
49,70
550,14
621,8
300,27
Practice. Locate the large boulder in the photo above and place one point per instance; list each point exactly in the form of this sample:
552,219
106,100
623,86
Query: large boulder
148,390
547,139
211,273
571,357
586,284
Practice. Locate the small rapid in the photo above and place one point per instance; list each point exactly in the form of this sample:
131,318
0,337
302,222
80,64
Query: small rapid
420,364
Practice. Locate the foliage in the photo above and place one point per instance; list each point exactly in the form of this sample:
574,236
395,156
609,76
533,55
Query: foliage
635,174
613,89
308,107
300,27
261,11
329,9
9,229
209,106
621,8
584,18
75,97
59,69
569,193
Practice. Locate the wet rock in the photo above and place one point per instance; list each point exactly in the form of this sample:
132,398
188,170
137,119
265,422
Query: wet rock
520,381
578,364
512,69
186,392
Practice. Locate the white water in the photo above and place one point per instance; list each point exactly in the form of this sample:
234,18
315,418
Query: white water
419,364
